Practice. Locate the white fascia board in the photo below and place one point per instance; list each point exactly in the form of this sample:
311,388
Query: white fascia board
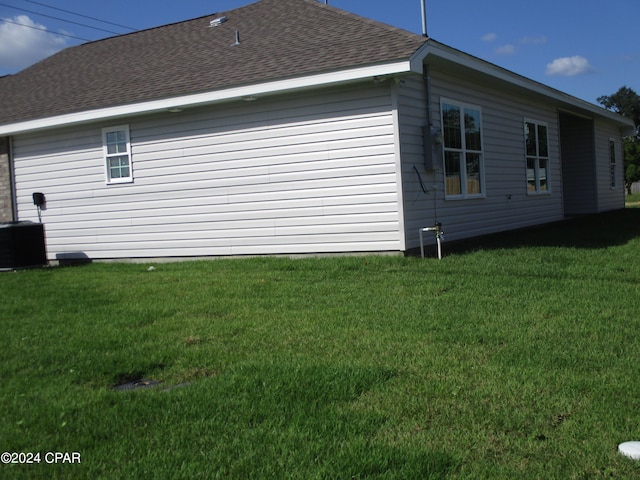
451,54
215,96
417,59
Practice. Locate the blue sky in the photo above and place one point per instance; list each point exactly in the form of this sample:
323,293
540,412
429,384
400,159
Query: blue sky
586,48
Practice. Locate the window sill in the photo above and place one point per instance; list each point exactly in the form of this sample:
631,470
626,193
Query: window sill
464,197
120,181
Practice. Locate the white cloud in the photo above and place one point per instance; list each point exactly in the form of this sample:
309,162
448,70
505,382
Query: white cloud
489,37
21,46
569,66
506,50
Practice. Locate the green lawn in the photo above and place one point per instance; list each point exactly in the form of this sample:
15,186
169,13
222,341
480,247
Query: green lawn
513,357
633,199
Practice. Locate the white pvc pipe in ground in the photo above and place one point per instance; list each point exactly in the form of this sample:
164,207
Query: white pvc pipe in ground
630,449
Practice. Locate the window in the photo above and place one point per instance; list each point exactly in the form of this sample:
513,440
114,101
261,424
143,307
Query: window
612,162
463,161
117,153
537,146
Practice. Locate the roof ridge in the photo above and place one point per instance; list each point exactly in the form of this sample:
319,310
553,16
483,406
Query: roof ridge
148,29
278,39
347,13
171,24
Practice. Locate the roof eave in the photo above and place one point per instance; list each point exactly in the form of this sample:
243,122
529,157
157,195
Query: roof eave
331,78
436,49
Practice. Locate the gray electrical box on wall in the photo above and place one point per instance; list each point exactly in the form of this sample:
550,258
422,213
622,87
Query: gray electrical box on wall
432,140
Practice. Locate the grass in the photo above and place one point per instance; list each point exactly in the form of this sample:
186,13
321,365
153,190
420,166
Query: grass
632,199
514,357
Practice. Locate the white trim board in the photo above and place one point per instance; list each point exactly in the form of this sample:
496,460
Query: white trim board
216,96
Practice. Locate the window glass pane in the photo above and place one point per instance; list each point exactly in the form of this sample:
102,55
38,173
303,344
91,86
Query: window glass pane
116,142
473,173
612,174
472,129
612,151
116,148
452,173
530,134
451,126
543,149
542,174
531,174
119,167
612,163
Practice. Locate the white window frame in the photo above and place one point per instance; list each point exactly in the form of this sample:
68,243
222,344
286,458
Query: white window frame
463,151
537,158
613,165
111,155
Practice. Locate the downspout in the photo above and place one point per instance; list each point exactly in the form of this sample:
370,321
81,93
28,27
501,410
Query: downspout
430,135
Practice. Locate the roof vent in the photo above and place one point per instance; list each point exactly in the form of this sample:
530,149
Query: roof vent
218,21
237,39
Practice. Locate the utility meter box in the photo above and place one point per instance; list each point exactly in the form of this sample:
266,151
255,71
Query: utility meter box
432,141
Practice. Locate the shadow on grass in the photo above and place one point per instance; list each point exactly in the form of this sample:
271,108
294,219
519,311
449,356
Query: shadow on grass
589,232
308,421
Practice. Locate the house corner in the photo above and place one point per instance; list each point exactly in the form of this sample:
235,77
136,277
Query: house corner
6,190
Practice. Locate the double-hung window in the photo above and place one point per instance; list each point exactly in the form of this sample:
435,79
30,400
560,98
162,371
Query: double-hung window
462,142
612,163
537,156
117,153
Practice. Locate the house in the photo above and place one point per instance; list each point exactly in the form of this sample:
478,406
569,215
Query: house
291,127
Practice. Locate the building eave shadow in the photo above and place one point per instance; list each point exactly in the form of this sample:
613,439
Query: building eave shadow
602,230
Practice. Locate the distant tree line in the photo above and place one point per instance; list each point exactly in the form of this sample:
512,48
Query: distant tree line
626,102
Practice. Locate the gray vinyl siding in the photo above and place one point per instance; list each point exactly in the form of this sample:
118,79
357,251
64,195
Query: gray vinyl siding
506,204
608,198
578,165
307,173
418,206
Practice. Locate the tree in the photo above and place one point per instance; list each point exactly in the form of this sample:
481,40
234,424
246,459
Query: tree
626,102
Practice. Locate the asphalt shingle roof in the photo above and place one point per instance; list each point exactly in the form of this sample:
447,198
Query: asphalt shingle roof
278,39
